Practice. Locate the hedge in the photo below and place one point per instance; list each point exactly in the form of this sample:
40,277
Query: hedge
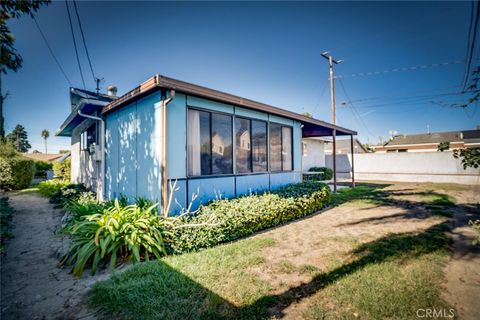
327,172
16,173
227,220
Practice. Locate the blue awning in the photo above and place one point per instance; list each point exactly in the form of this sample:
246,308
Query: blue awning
74,119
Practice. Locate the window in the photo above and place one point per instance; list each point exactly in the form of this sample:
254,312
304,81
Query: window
250,145
275,147
280,148
243,152
209,143
287,149
259,146
88,137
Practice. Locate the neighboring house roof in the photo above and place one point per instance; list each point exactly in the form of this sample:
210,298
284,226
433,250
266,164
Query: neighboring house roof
466,136
47,157
344,146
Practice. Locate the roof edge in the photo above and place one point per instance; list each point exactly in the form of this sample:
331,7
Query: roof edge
159,81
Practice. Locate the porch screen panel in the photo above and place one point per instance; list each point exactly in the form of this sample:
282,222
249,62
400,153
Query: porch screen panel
222,142
286,148
259,146
275,147
198,137
243,156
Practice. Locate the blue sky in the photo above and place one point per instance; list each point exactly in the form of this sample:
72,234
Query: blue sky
269,52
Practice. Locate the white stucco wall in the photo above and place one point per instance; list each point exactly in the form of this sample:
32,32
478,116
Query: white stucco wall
83,167
440,167
314,155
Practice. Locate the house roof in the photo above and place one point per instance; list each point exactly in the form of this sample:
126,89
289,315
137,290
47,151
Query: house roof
466,136
311,127
47,157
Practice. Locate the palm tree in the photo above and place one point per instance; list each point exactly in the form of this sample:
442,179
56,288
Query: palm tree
45,135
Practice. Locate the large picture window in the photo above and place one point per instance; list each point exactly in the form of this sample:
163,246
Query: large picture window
209,143
280,148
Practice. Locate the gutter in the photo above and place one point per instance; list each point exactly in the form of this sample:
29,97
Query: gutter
100,190
165,204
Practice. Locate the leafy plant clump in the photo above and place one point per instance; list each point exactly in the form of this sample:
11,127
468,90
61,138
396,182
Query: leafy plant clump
228,220
327,172
50,187
126,233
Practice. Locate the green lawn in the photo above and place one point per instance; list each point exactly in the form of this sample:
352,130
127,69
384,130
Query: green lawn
387,277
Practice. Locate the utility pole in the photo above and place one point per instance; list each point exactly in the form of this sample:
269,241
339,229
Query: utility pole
332,61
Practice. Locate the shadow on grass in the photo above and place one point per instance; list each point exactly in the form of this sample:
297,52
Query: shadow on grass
156,290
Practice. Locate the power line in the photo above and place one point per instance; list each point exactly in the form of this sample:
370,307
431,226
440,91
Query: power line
51,51
465,71
75,45
472,47
353,109
84,41
400,69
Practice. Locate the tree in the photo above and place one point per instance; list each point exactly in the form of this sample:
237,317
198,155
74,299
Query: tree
45,135
19,139
10,59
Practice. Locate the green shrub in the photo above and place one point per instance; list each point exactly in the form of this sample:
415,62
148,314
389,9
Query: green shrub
41,167
62,169
16,173
227,220
6,215
129,233
50,187
71,191
327,172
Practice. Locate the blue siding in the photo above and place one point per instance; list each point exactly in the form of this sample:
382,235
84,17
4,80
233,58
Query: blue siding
179,197
252,183
111,156
208,104
148,158
132,153
279,179
127,156
251,113
210,189
281,120
177,138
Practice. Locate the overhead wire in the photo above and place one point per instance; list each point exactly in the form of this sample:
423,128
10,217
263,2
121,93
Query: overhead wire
51,51
84,41
75,44
400,69
472,46
353,109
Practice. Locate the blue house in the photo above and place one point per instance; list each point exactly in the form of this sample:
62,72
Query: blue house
172,139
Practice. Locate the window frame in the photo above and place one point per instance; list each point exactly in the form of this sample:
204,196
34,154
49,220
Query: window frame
210,112
281,147
234,146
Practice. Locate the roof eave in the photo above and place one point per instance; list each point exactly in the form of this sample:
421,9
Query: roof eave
162,82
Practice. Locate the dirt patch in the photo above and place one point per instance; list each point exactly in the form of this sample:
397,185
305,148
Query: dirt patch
323,241
32,284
